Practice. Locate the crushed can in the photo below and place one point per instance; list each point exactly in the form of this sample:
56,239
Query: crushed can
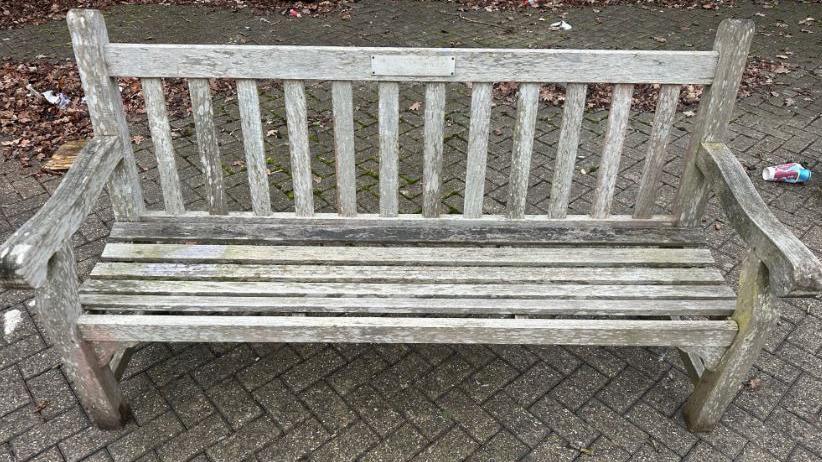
787,173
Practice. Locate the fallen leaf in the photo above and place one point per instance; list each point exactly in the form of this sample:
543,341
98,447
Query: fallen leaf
754,384
415,106
660,39
137,139
689,113
273,132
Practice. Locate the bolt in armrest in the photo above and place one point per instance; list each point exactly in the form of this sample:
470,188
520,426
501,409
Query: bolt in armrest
24,256
793,269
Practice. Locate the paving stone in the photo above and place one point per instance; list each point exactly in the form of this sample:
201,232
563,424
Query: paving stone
187,399
469,415
48,433
517,419
245,440
144,398
296,443
306,373
334,413
282,404
397,447
454,445
564,422
347,444
145,438
194,440
13,390
552,447
234,403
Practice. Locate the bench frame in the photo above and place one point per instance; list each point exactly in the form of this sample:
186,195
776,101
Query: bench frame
39,254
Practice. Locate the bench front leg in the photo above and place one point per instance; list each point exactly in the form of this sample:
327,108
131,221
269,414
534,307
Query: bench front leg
756,315
58,305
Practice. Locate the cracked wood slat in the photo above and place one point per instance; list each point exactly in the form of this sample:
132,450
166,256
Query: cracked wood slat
657,146
434,118
405,305
385,231
163,148
481,98
354,63
207,145
464,256
618,118
249,102
297,119
405,330
389,125
89,40
733,40
343,110
567,149
527,105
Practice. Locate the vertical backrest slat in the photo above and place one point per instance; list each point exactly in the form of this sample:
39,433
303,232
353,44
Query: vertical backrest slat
477,148
89,39
297,119
163,149
342,101
567,149
389,124
733,40
207,144
432,148
527,106
657,145
612,149
249,102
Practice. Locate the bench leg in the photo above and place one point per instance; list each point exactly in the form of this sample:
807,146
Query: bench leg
58,304
756,315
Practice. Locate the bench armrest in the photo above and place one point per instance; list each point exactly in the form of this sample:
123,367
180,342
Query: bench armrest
793,269
24,256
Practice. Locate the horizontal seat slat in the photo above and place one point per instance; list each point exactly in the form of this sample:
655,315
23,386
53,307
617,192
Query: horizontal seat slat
409,256
419,290
351,63
363,232
385,273
173,328
373,305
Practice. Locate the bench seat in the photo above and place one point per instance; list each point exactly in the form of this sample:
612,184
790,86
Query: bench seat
632,284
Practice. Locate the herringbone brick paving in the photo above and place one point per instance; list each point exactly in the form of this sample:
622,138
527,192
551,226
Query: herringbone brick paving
330,402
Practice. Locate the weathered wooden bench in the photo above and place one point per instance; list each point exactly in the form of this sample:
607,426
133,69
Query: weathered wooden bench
176,275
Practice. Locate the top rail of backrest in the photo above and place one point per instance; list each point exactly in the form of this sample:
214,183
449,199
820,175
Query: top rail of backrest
410,64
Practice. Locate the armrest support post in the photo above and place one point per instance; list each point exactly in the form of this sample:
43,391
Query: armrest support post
792,267
24,256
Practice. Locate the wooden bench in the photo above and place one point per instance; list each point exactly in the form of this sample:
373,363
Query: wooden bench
177,275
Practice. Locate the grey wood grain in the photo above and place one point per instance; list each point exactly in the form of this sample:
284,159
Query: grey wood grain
612,150
297,115
583,221
756,316
467,256
354,63
403,274
792,266
163,149
657,145
343,109
412,290
249,103
58,305
567,149
527,105
733,40
207,145
399,305
406,330
481,96
389,125
434,119
25,254
89,39
392,232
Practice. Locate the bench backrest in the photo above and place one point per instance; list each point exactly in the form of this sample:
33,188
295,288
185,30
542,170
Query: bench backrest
100,62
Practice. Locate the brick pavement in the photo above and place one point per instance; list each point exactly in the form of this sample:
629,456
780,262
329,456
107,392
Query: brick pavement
216,402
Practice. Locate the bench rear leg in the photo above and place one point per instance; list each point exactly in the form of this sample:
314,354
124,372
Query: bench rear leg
756,315
58,304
